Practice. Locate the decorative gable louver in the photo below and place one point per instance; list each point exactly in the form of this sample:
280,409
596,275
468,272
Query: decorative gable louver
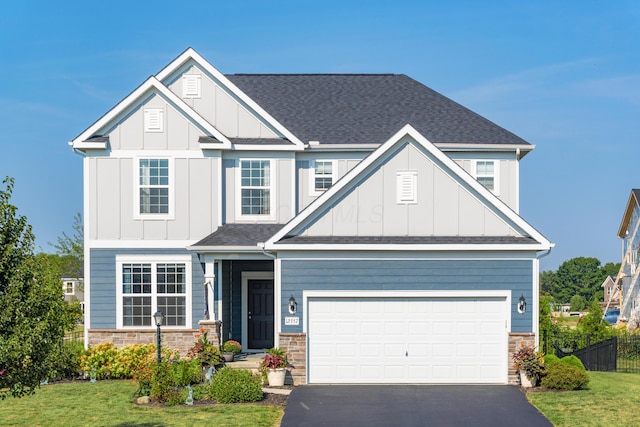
153,119
406,187
191,86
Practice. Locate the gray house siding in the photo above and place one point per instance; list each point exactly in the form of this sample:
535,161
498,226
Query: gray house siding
515,275
103,284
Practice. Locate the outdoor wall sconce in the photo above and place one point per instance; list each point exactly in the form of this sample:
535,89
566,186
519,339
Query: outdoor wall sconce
522,304
158,317
293,305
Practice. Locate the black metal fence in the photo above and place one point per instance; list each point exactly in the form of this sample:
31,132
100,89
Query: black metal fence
598,353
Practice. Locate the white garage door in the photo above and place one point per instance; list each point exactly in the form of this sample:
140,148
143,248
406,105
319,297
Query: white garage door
407,340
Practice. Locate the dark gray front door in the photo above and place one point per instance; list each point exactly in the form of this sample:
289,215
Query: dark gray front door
260,313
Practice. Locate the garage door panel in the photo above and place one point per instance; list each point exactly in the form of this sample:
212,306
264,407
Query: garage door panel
407,340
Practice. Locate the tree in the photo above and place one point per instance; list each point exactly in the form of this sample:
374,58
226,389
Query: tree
578,276
577,303
33,313
71,249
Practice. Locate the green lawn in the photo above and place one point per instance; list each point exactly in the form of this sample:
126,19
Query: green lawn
612,399
109,403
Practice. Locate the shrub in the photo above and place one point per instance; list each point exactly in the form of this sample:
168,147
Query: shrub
550,359
573,361
205,351
235,386
232,346
526,359
66,360
99,358
109,362
562,376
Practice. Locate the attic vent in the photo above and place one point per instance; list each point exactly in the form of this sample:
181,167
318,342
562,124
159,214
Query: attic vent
153,119
406,190
191,86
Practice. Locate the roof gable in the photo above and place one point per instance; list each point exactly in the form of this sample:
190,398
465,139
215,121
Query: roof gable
249,107
363,204
632,204
151,87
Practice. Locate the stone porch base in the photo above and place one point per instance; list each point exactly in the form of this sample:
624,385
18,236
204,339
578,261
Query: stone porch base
517,340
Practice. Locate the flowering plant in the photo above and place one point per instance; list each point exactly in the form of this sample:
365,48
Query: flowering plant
528,360
232,346
205,350
274,359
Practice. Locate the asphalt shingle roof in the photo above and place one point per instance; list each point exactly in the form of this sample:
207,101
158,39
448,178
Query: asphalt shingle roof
366,108
240,235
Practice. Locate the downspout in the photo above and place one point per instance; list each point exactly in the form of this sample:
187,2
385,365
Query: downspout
536,310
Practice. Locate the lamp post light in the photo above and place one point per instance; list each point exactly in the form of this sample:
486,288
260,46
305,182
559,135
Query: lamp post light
158,317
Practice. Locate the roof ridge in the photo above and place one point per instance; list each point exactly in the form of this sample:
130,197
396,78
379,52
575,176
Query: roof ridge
314,74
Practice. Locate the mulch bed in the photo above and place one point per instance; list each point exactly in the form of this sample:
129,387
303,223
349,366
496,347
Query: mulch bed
269,399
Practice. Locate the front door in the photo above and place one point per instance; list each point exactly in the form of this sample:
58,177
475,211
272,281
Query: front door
260,313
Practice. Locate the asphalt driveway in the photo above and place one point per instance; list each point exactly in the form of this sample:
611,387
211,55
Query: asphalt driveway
410,405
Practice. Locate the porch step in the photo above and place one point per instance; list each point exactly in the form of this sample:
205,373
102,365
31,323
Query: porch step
249,361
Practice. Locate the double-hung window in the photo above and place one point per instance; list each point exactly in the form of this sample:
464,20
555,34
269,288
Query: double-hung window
146,286
256,192
154,190
68,288
486,172
322,176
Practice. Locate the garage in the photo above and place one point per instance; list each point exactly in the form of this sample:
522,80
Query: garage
407,339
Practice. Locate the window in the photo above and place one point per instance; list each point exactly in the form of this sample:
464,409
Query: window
255,187
68,288
486,172
191,86
406,187
148,286
153,183
322,176
153,119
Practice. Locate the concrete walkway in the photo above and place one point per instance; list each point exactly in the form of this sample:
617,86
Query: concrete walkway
411,405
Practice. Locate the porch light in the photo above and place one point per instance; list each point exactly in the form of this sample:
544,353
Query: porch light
522,304
293,305
158,317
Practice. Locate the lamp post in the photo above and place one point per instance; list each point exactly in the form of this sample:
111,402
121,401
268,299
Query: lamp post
158,317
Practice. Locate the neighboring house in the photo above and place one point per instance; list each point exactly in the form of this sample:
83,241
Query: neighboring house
365,224
628,279
73,288
611,294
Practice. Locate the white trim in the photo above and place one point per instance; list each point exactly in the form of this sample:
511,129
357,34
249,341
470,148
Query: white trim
277,306
408,256
187,81
407,247
246,276
414,136
312,175
86,219
153,120
154,260
495,176
73,287
407,187
137,215
191,54
218,199
137,244
535,295
273,164
134,99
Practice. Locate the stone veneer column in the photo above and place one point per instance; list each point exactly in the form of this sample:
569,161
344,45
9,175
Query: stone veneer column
517,340
213,329
295,345
175,339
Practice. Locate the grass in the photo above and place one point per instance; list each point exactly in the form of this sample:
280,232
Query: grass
109,403
611,399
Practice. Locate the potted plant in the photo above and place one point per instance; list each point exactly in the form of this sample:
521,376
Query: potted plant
230,349
529,365
205,351
274,365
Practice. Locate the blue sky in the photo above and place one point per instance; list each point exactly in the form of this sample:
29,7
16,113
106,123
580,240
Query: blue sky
564,76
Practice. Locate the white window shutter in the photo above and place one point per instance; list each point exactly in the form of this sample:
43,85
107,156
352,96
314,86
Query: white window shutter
406,191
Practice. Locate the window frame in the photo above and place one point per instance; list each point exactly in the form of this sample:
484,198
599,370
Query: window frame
137,214
495,175
313,191
65,287
154,260
271,187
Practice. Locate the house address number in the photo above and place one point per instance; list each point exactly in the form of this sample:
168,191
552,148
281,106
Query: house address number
291,320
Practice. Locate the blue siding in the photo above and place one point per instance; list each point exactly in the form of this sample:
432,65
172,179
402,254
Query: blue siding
103,284
381,275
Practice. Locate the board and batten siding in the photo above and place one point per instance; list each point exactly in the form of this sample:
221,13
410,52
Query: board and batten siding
103,284
113,189
408,275
445,205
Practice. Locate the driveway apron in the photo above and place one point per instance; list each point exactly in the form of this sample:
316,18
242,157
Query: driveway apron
410,405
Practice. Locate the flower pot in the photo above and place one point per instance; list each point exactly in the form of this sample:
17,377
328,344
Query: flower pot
276,377
525,381
228,357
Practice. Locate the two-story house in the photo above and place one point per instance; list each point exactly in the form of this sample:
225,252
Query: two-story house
365,224
628,279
